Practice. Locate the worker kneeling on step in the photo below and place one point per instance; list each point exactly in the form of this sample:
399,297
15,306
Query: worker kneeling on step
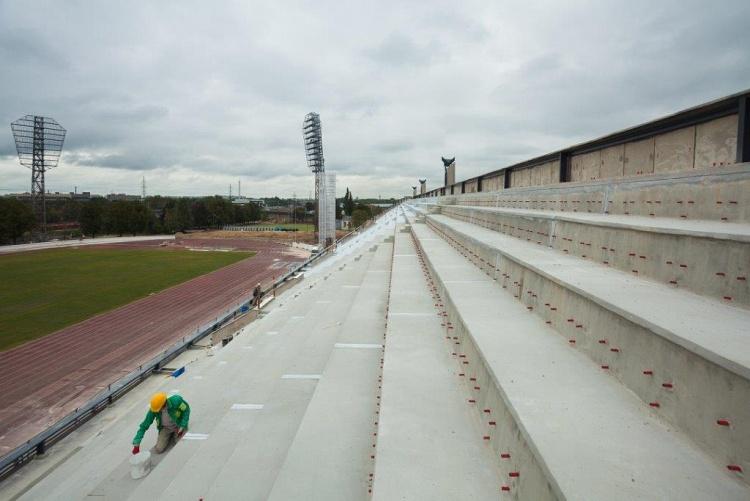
171,415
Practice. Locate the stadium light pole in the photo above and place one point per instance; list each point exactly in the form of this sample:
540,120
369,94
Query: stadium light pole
312,135
39,141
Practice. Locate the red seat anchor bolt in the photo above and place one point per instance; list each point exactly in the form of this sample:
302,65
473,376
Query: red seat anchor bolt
667,385
654,404
514,474
505,488
648,372
505,455
722,422
734,467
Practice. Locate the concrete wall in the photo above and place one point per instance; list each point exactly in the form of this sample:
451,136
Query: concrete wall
494,183
710,144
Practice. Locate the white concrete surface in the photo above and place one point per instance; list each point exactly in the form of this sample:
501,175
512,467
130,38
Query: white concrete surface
429,445
330,456
739,232
590,437
9,249
683,318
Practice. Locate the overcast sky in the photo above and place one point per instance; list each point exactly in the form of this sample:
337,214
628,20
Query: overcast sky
196,95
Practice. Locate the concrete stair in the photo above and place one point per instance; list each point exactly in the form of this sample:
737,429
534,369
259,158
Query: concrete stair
686,356
701,256
562,426
429,445
330,457
721,194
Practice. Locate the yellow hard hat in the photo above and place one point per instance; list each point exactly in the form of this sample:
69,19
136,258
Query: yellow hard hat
158,401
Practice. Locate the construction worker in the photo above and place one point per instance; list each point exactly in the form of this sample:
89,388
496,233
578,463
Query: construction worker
171,415
256,295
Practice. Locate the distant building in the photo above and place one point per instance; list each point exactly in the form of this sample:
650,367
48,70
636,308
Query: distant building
245,201
56,196
122,197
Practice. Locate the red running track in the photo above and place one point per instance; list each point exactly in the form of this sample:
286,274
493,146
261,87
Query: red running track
43,380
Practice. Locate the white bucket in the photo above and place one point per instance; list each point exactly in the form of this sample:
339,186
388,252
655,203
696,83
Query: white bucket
140,464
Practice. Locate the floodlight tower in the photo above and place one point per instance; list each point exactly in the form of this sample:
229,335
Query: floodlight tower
414,192
39,142
313,137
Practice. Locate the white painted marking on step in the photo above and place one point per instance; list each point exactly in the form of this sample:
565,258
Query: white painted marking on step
350,286
378,271
174,392
297,317
408,314
300,376
465,281
247,347
197,377
195,436
222,362
271,333
324,302
404,255
357,345
247,407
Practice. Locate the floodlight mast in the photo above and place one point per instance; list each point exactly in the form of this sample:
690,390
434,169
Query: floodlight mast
39,141
312,135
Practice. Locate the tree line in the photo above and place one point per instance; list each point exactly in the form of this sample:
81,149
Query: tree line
126,217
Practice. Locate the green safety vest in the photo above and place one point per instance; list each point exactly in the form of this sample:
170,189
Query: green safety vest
177,408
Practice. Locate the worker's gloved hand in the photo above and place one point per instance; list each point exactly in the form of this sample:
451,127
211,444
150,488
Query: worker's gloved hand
136,449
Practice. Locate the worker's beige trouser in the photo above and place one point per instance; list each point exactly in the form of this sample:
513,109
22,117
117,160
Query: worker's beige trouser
165,438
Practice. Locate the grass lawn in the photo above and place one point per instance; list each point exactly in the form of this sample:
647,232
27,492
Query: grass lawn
41,292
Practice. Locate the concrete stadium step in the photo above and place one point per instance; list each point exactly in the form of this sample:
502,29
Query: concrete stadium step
714,194
707,257
429,446
687,357
563,429
246,448
330,455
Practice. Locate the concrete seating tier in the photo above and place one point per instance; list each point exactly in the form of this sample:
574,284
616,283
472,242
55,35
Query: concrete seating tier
330,455
685,356
428,445
719,195
706,257
561,427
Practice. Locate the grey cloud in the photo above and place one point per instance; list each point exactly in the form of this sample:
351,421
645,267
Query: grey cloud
401,50
220,95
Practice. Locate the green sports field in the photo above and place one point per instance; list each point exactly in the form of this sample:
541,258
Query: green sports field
41,292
